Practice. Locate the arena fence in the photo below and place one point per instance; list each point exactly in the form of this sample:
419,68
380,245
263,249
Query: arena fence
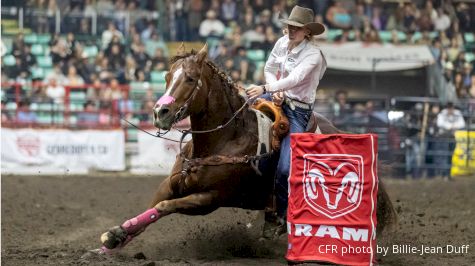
408,140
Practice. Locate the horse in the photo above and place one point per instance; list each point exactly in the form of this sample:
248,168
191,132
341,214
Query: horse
214,169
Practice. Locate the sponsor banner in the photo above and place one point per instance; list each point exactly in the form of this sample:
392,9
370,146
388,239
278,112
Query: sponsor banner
333,188
463,158
48,151
356,56
156,155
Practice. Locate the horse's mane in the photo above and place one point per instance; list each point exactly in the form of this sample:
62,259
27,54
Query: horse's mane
225,78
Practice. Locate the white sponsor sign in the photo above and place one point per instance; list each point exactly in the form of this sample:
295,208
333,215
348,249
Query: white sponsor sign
53,151
156,155
356,56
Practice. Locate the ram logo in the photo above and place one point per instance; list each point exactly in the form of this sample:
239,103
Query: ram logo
333,185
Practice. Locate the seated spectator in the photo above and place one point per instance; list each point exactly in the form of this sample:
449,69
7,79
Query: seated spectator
38,94
146,111
358,18
18,45
116,59
141,58
5,115
141,76
136,43
71,44
111,92
341,108
108,34
24,115
89,115
115,42
104,71
229,11
271,39
154,43
159,61
57,74
55,91
338,16
27,57
372,36
463,17
85,69
254,38
59,52
211,26
72,78
378,21
130,69
265,18
19,69
148,32
409,17
441,21
125,105
241,62
247,21
105,114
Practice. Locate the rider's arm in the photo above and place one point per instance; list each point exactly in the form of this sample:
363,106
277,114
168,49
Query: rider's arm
272,66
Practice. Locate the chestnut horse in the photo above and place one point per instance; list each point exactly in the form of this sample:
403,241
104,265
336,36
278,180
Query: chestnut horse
213,169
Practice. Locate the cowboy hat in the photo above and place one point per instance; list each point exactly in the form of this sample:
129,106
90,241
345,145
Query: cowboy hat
303,17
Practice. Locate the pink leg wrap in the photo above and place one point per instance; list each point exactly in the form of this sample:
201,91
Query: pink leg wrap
138,223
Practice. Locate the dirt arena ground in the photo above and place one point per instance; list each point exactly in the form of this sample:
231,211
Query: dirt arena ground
55,220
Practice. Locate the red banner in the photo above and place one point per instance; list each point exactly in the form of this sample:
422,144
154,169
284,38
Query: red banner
333,189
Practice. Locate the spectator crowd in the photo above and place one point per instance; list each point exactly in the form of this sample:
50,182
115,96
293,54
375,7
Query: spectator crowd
132,35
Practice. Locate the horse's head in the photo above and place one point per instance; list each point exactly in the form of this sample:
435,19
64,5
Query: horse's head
183,85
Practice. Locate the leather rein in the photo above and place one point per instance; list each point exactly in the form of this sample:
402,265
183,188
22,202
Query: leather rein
192,164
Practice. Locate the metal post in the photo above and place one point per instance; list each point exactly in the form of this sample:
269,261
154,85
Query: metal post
373,75
127,24
469,151
20,19
58,21
94,24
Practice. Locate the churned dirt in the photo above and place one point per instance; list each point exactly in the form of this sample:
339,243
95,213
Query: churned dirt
56,220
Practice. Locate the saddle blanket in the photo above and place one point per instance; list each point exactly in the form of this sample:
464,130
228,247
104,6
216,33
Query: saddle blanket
333,189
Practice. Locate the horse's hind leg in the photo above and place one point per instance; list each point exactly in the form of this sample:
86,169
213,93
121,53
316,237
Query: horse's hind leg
197,203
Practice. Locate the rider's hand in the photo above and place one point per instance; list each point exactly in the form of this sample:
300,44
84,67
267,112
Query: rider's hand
254,91
278,98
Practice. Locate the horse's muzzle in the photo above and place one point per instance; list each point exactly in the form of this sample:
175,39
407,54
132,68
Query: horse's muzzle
162,117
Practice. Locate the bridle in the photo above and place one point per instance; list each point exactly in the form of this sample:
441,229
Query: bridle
190,164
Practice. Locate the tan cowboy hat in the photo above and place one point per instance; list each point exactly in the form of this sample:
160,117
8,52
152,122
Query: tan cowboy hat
303,17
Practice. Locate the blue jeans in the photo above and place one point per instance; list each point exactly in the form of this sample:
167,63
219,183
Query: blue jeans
298,120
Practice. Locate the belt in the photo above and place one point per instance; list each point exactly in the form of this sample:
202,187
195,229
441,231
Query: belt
295,103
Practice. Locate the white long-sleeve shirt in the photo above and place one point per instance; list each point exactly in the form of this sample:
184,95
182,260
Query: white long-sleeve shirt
299,70
450,121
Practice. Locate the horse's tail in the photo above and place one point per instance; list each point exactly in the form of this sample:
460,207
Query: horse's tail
386,214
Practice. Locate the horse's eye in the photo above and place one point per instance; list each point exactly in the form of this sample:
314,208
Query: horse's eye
189,79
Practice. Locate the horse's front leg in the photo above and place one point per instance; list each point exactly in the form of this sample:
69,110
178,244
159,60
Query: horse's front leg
118,236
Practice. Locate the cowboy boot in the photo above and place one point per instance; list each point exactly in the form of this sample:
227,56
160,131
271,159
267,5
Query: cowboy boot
274,226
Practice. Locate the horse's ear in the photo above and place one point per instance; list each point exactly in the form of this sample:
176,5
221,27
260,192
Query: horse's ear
201,55
181,49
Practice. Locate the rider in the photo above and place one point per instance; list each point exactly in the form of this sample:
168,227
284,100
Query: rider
292,71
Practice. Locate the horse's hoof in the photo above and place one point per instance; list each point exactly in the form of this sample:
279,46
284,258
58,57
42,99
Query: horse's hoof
114,237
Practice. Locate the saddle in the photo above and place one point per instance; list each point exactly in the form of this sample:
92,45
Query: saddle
280,126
